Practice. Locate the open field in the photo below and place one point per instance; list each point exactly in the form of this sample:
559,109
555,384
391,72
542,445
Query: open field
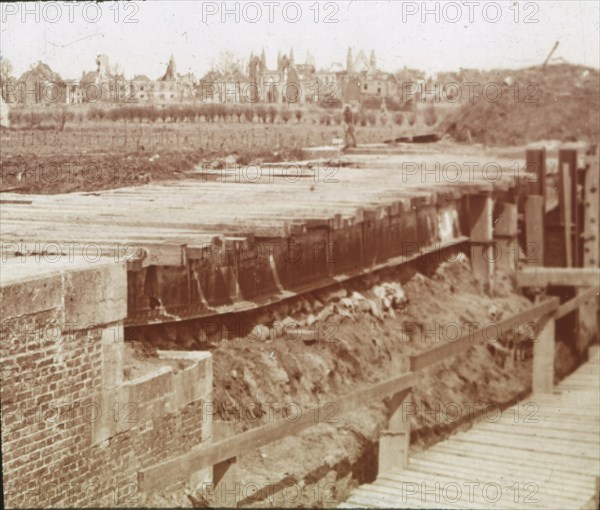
109,155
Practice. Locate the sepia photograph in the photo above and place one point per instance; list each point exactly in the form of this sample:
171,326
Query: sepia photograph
300,254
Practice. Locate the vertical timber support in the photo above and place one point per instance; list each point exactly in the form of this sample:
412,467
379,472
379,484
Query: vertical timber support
534,230
226,483
505,237
567,169
535,163
543,358
395,441
588,313
481,209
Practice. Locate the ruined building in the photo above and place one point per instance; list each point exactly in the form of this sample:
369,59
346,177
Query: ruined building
295,83
363,78
170,87
288,82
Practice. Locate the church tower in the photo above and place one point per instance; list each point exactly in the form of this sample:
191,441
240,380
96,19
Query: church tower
250,64
349,61
291,56
373,62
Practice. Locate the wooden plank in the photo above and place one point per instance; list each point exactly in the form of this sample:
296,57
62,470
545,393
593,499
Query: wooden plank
567,163
477,471
543,359
481,208
588,312
535,164
488,451
506,222
394,442
560,276
499,467
573,304
534,229
437,489
168,472
441,352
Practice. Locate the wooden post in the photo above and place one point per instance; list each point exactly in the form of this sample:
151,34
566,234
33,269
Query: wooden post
534,230
226,484
481,237
535,163
505,237
567,168
225,491
567,215
588,314
543,358
394,442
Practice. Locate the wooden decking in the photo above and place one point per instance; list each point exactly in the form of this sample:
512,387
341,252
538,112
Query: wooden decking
543,453
224,241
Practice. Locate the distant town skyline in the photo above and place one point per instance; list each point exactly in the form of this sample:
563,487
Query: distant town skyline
141,36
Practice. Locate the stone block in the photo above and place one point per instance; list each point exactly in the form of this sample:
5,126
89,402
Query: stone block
31,296
95,295
192,383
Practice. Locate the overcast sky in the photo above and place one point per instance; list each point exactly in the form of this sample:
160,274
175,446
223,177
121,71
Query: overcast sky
520,34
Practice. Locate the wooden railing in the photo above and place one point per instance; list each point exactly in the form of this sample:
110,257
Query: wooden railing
394,445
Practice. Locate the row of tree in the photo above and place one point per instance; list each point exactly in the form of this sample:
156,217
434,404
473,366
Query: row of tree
59,116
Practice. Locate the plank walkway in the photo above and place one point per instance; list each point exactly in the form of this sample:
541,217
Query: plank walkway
544,455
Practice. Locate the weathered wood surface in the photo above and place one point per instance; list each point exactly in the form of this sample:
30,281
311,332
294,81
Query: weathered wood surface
542,453
222,241
566,276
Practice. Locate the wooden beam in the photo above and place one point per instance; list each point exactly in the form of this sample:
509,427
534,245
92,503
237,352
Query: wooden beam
543,359
560,276
225,484
588,313
505,224
535,164
588,295
394,442
567,160
591,213
441,352
505,236
481,210
534,230
166,473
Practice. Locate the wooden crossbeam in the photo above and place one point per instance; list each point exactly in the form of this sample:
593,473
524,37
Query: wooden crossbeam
561,276
166,473
573,304
440,353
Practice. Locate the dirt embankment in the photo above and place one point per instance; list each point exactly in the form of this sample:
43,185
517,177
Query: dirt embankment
561,102
52,174
372,325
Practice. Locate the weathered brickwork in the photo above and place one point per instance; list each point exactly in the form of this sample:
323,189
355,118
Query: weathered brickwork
74,432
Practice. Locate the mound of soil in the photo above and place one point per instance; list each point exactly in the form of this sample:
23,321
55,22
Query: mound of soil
561,102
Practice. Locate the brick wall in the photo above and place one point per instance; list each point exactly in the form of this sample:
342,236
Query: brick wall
74,432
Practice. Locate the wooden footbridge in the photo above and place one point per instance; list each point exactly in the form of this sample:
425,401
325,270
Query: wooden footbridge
541,453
